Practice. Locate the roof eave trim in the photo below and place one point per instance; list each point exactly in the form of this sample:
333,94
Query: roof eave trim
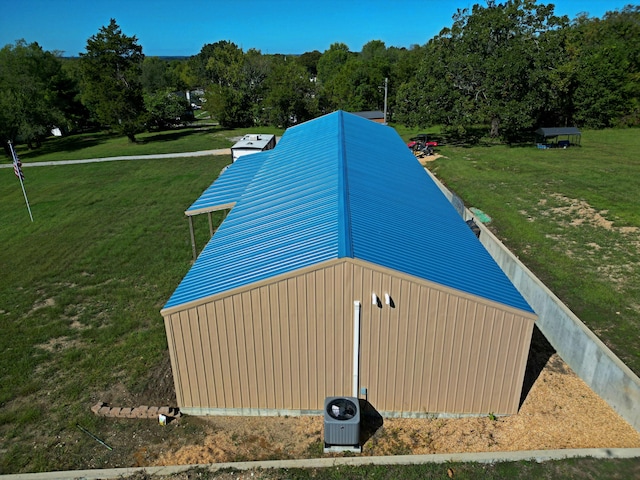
213,208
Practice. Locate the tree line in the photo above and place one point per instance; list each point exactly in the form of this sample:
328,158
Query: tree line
500,69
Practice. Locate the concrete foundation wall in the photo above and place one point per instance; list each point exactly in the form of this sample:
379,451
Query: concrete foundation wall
578,346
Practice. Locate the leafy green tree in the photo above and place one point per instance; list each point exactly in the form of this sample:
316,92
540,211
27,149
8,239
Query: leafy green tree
69,90
33,92
165,109
159,75
309,60
231,107
112,89
290,95
235,83
492,67
330,64
605,62
354,81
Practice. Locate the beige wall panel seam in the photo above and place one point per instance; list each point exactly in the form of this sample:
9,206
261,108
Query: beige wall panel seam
186,367
277,345
203,351
175,370
268,347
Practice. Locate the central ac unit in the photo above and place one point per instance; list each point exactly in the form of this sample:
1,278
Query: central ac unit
342,422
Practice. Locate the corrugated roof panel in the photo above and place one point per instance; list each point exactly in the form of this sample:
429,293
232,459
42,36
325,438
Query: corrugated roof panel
343,186
230,185
286,219
401,220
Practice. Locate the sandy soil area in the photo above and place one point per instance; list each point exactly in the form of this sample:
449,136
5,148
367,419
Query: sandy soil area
558,411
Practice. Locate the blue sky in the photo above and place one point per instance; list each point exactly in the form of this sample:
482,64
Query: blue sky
168,28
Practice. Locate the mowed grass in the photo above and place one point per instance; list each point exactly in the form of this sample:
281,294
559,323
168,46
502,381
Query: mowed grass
199,136
81,287
572,216
80,293
575,468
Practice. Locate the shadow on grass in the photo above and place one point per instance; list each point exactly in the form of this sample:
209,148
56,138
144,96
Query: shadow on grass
539,354
69,143
176,134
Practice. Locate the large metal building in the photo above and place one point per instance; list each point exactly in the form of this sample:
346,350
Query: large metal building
341,269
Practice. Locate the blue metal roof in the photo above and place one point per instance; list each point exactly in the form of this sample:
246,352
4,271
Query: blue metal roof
230,185
342,186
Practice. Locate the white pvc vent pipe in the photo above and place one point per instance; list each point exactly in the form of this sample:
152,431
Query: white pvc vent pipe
356,349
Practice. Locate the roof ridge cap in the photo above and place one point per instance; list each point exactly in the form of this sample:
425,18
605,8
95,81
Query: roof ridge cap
345,239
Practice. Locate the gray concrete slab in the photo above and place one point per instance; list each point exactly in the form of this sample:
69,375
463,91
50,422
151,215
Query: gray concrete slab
483,457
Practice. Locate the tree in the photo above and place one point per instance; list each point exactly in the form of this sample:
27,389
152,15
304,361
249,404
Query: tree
234,83
309,60
290,95
605,61
33,92
112,90
493,67
330,65
155,75
166,108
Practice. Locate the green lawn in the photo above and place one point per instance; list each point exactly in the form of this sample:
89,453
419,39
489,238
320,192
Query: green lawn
81,287
199,136
575,469
81,290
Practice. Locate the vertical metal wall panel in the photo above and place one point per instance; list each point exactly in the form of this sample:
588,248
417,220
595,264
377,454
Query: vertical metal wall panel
258,376
466,348
321,333
225,359
294,342
267,343
277,347
438,351
216,359
430,303
207,355
420,348
172,341
493,346
509,372
306,354
247,349
184,356
522,355
288,344
285,339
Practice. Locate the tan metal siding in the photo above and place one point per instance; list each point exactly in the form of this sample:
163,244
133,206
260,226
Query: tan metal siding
439,350
286,345
175,365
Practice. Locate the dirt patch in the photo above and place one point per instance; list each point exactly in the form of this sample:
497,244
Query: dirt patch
559,411
60,343
156,390
48,302
424,159
580,212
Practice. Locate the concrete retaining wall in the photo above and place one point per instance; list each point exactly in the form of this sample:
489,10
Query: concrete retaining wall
578,346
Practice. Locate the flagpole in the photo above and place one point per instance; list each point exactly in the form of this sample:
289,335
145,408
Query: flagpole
24,192
18,172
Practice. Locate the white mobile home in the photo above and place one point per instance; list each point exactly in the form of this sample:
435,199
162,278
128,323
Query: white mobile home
252,143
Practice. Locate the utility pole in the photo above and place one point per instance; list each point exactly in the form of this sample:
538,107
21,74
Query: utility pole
386,84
